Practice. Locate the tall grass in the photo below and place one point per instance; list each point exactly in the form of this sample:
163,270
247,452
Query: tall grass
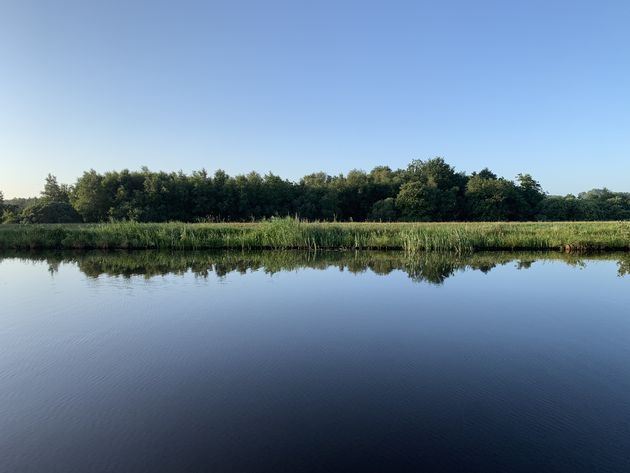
293,234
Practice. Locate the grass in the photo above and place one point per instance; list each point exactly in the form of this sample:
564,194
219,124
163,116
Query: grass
460,237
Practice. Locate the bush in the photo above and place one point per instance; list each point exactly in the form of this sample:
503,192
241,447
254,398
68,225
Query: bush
383,211
50,212
8,216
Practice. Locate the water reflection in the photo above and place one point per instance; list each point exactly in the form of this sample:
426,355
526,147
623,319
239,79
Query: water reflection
524,369
433,268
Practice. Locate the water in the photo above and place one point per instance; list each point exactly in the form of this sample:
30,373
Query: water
232,362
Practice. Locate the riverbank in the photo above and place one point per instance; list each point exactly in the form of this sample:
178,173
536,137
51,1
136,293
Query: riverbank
291,234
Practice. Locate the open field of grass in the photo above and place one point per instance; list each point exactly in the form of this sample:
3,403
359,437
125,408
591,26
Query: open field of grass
291,234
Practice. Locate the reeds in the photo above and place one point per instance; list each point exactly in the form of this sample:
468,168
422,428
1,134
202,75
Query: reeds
289,233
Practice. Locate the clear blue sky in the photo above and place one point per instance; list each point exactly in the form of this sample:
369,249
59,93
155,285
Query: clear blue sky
295,87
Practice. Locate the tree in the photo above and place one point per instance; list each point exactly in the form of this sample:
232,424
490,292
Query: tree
90,197
318,199
532,194
8,211
425,191
384,210
353,192
491,199
432,191
8,216
54,192
557,208
485,173
383,183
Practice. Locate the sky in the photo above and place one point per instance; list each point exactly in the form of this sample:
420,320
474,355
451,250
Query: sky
294,87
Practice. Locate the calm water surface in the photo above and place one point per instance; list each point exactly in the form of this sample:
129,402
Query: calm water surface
232,362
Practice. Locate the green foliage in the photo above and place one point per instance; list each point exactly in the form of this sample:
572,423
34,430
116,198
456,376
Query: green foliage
49,212
426,191
432,192
54,192
18,204
597,204
6,213
384,211
532,195
9,216
90,197
556,208
491,199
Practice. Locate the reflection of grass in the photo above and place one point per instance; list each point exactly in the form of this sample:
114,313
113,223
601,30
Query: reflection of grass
433,267
292,234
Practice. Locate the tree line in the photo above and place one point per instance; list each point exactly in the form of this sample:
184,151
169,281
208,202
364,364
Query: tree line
427,190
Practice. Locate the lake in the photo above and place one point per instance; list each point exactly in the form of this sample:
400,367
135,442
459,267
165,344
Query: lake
338,361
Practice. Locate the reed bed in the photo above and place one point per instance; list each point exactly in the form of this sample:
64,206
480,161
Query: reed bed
460,237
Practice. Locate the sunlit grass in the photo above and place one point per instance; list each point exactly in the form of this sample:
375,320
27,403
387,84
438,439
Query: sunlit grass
292,234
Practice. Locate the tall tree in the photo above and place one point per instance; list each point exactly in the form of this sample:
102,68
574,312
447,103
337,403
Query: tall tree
532,194
432,191
90,197
54,192
491,199
425,191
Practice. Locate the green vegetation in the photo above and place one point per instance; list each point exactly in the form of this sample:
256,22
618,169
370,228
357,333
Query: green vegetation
45,211
290,233
426,191
432,267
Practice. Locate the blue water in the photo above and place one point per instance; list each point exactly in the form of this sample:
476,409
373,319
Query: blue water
317,364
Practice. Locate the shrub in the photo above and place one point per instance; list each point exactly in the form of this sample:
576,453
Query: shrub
50,212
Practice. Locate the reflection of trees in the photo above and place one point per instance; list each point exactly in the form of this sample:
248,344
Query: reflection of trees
431,267
623,265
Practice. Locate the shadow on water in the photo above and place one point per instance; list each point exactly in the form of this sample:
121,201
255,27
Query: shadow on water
433,268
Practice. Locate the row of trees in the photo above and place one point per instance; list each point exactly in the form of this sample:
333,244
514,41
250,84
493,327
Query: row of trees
430,190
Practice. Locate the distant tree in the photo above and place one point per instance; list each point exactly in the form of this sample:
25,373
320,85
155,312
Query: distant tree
19,203
425,191
485,173
54,192
384,211
6,215
318,198
432,191
384,183
226,196
90,197
492,199
557,208
278,196
532,194
8,210
353,195
603,204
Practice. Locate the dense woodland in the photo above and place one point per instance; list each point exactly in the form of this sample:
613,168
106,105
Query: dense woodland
430,190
